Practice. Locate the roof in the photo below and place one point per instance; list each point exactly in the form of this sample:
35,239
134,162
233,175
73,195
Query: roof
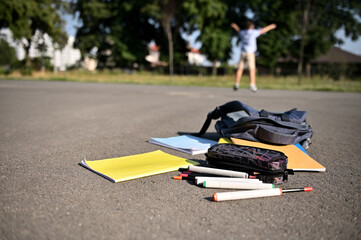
154,47
194,50
337,55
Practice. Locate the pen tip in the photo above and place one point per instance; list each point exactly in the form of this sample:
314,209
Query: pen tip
308,189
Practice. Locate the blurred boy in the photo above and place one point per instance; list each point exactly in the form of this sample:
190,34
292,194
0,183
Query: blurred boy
249,47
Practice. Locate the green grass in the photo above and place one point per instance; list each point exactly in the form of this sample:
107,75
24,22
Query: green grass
226,81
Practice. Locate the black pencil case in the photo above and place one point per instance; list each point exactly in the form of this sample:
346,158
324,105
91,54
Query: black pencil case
270,166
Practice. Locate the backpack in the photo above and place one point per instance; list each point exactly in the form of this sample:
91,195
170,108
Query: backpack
239,120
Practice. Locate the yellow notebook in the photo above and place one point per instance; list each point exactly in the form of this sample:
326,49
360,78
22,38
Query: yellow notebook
136,166
297,159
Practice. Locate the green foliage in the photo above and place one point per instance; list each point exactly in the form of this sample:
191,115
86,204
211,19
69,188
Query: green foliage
324,19
121,29
25,18
275,43
117,29
7,53
117,25
210,18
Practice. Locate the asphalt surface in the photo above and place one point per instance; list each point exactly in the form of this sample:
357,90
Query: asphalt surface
47,128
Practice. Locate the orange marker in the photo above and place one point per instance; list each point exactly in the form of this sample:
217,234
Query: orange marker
178,178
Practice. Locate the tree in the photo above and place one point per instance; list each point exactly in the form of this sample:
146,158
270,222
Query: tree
316,24
25,18
8,55
210,18
320,21
118,29
305,29
276,43
165,12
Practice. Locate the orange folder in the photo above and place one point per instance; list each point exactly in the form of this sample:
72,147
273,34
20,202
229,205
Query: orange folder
297,159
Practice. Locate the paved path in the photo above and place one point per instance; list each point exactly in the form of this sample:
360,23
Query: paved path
47,128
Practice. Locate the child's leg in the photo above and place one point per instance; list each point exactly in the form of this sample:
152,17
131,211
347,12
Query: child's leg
238,78
252,76
238,75
252,71
239,72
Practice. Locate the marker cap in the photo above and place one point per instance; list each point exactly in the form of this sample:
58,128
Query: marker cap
215,197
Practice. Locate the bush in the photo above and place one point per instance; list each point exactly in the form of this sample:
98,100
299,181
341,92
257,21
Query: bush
7,53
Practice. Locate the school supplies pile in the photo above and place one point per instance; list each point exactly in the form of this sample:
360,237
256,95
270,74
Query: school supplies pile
259,150
265,146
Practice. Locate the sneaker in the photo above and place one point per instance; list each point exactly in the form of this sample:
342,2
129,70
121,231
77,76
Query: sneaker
235,87
253,88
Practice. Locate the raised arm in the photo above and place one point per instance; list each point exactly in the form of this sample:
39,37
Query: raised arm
268,28
235,27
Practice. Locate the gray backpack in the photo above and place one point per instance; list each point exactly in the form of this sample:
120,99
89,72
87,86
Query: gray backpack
239,120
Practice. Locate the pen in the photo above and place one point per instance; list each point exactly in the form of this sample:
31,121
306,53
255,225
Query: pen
223,196
197,175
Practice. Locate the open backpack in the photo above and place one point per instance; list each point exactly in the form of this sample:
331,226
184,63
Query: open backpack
239,120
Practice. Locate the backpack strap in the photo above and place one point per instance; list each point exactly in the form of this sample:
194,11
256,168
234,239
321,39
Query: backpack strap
211,115
270,136
222,111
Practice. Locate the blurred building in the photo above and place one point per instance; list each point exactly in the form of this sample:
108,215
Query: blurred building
195,57
153,56
89,64
42,46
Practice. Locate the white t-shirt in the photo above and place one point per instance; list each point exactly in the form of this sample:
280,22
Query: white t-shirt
249,40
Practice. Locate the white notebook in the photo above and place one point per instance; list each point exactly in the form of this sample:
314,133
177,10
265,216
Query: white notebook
185,143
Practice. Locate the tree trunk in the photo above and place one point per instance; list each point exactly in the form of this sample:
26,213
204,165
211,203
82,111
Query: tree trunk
304,29
169,7
214,68
308,70
27,52
170,48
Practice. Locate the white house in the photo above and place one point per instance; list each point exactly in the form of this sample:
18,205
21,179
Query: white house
61,59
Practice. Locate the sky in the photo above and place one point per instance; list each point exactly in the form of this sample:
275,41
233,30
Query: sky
349,45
